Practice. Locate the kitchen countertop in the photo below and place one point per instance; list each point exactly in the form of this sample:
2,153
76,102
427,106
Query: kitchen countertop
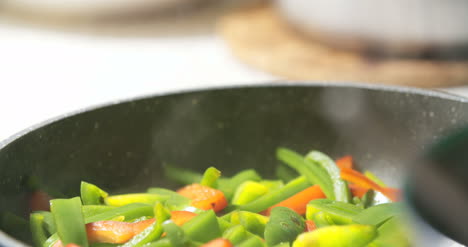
48,72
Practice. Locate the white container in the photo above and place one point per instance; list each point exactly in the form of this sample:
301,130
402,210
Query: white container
391,23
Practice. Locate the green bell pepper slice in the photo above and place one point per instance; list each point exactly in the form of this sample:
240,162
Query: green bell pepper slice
378,214
284,226
273,185
175,234
203,227
236,234
122,200
253,241
254,223
248,191
337,236
91,194
229,185
284,244
69,221
224,224
392,233
322,219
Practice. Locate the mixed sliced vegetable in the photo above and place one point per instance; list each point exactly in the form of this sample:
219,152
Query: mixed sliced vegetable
315,202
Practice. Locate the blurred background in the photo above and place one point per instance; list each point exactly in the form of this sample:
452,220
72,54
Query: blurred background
61,55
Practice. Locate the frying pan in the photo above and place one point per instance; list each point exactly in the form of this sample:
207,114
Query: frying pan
122,146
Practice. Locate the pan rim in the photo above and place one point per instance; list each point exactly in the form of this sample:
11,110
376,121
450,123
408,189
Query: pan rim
10,241
267,84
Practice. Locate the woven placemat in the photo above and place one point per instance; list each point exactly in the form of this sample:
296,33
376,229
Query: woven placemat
259,37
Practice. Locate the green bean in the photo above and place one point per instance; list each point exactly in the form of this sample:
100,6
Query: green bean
91,210
151,233
285,173
49,223
313,172
51,240
69,221
164,242
210,177
340,188
368,199
180,175
161,213
277,196
174,202
130,212
339,212
38,231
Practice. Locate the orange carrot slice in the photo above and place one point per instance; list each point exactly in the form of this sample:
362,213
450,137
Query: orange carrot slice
310,226
115,232
357,190
345,162
180,217
219,242
362,181
204,197
298,202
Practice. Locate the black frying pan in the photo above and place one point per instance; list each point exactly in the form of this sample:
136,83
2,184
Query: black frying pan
121,147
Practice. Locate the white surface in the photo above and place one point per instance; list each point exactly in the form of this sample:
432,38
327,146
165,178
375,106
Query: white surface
44,74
